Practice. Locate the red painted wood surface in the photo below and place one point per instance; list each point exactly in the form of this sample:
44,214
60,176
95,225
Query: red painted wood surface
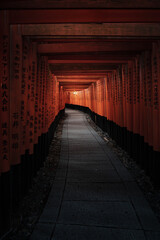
67,4
87,61
4,93
155,92
101,46
84,16
15,94
54,4
129,96
92,30
33,96
24,94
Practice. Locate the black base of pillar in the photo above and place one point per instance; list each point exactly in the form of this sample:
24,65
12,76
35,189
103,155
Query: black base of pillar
5,207
16,193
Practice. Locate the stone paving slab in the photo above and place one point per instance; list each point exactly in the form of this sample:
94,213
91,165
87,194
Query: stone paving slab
94,196
42,231
95,192
106,214
153,235
51,210
142,208
83,166
93,176
73,232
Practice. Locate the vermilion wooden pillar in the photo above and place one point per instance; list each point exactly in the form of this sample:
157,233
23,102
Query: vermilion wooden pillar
5,83
149,120
40,79
15,111
37,101
113,103
129,106
124,74
33,79
136,113
24,94
54,96
109,105
5,199
46,95
145,99
155,79
15,90
24,115
158,57
149,84
137,97
40,91
43,73
43,95
142,107
33,123
156,114
57,97
120,106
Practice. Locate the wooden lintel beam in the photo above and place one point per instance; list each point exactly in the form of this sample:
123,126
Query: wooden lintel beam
93,29
84,16
72,90
81,72
85,39
76,86
55,40
54,4
80,77
83,47
78,67
77,81
87,61
92,74
114,56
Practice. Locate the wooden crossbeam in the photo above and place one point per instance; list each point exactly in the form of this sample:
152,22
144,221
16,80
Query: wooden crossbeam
76,81
84,16
75,67
78,4
93,29
82,47
117,61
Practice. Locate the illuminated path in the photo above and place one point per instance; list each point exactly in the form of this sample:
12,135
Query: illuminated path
93,197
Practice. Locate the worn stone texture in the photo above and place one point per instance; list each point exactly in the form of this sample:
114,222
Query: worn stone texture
94,196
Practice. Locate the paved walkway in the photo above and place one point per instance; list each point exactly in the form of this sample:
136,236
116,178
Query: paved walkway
93,197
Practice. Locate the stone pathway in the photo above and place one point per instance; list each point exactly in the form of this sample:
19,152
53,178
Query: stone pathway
93,197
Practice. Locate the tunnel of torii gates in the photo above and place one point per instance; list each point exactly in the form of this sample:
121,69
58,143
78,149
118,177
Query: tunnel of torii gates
105,62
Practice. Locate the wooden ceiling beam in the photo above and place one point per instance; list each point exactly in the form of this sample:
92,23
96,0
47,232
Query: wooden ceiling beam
124,56
36,16
27,4
76,86
117,61
94,39
109,30
77,81
82,47
80,77
78,67
72,72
